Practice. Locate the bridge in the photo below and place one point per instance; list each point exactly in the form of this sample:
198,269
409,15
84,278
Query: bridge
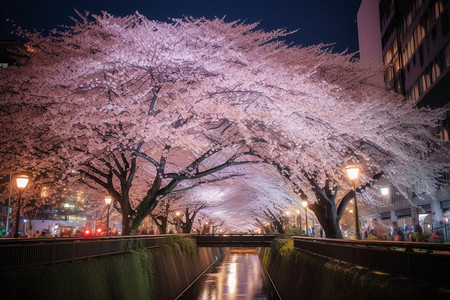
234,240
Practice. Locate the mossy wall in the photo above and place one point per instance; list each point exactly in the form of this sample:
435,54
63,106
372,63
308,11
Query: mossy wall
300,275
160,273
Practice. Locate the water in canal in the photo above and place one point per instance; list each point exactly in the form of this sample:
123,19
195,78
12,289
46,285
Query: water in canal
239,276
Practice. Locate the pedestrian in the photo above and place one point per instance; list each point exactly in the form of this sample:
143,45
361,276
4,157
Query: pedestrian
42,234
417,231
36,235
380,230
434,237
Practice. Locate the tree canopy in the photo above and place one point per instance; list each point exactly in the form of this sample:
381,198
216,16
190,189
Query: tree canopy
137,106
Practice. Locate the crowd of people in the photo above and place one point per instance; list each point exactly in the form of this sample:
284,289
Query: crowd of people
379,231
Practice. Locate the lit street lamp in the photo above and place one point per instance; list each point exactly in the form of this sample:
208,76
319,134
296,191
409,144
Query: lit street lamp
353,174
384,191
178,220
108,200
287,219
305,205
21,181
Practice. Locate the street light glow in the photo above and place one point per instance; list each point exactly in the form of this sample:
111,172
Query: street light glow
352,172
22,181
108,200
384,191
305,203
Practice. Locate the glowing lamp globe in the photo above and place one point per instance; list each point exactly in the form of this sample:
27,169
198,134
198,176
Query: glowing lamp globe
108,200
22,181
352,172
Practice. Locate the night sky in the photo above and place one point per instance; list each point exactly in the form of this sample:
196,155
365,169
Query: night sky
325,21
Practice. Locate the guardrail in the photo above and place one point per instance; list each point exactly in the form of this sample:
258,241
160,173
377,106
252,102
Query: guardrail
17,253
420,261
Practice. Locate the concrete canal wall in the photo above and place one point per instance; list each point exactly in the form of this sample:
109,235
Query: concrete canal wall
300,275
160,273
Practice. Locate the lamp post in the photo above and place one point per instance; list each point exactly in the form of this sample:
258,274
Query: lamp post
108,200
305,205
287,219
353,174
178,220
21,181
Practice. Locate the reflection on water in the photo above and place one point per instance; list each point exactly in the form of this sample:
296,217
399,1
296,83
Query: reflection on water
239,276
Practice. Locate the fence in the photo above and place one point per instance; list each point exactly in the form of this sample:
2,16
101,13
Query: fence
17,253
420,261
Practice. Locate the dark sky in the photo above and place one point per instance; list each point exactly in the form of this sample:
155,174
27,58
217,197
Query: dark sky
324,21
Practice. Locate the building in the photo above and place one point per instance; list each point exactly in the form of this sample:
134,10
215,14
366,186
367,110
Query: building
412,39
8,52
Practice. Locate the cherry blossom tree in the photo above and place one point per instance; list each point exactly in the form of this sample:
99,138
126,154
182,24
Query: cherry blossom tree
139,106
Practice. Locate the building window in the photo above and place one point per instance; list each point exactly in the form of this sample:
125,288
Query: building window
447,55
425,25
435,70
444,129
444,22
446,178
389,74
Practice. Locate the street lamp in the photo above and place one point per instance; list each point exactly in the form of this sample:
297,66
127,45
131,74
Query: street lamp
287,219
353,174
21,181
305,205
108,200
178,221
384,191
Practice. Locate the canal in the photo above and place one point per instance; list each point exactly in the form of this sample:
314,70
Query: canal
238,276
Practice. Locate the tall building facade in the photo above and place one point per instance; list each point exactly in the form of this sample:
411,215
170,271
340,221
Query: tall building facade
412,39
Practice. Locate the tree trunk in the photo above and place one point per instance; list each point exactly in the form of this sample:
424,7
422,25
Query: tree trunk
328,219
126,225
162,225
279,227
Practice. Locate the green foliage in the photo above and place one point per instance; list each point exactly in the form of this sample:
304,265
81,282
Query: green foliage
127,275
294,231
124,276
181,245
282,247
132,244
426,237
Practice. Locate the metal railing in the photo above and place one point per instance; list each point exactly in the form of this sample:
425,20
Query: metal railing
420,261
17,253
